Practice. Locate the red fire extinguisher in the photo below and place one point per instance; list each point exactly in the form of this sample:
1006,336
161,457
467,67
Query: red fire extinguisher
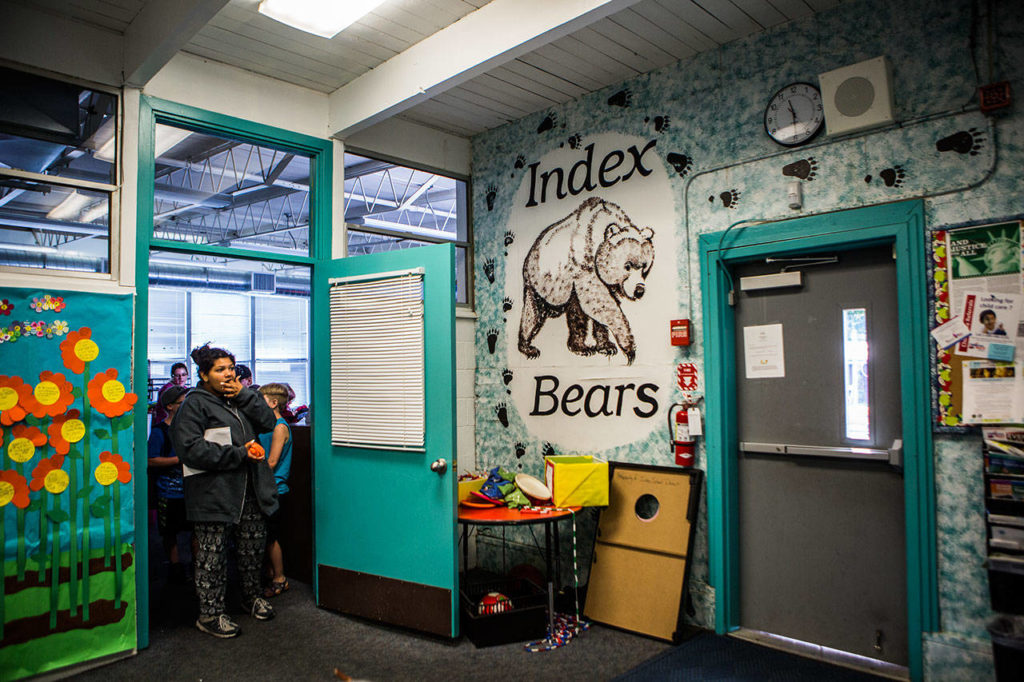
684,446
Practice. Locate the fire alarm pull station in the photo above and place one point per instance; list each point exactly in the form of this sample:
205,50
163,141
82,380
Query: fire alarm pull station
680,330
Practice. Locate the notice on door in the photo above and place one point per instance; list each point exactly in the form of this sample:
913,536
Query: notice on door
762,351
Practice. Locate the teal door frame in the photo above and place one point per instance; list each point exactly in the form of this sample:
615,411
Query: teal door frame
902,225
152,111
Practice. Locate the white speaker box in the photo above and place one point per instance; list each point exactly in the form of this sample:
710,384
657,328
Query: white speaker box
857,97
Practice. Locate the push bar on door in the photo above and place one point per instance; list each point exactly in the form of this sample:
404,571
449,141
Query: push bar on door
893,455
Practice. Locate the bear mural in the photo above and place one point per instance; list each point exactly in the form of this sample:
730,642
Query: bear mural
583,266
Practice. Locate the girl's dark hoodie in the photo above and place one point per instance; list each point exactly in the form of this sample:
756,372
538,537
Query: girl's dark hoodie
217,490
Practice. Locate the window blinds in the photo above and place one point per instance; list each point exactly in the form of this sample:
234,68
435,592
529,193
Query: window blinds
377,385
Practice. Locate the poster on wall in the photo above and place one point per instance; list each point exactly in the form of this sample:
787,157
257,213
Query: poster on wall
993,392
67,590
590,283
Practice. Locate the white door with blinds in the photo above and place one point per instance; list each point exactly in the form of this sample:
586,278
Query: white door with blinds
377,379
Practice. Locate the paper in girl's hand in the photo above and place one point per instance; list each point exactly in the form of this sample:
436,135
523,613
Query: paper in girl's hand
950,332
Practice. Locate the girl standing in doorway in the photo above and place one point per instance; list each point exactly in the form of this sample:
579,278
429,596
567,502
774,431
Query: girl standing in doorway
228,485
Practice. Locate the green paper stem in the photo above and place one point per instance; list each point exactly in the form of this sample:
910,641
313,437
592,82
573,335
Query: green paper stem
73,544
22,560
54,567
108,551
117,544
21,545
86,468
41,555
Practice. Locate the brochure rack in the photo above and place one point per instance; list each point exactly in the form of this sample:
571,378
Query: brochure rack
1004,523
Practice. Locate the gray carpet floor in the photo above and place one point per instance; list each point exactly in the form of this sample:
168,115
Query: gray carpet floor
307,643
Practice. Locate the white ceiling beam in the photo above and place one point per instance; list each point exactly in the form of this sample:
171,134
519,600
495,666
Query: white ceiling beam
159,31
60,44
493,35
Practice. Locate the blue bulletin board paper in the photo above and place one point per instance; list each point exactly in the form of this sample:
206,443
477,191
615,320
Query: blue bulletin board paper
67,592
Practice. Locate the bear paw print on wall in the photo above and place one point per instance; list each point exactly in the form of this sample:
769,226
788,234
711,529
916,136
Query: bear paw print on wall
730,198
680,162
622,98
501,409
804,169
968,142
659,123
890,177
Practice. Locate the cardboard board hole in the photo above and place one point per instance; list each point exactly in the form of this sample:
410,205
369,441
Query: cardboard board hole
646,507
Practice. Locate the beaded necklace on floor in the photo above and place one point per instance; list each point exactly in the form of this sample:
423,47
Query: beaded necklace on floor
566,626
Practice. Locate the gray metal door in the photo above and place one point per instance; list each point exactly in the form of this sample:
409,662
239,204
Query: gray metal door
821,513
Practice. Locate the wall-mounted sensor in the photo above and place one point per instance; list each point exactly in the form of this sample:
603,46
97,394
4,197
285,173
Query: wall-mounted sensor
795,193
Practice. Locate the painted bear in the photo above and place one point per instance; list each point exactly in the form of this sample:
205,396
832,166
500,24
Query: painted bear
583,266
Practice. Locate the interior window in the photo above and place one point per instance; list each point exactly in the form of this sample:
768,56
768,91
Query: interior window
58,153
258,311
389,207
211,190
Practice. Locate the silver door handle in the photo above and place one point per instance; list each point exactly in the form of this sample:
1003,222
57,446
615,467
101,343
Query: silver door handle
893,455
439,466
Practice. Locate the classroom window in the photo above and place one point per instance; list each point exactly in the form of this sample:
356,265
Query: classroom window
211,190
58,170
258,312
390,207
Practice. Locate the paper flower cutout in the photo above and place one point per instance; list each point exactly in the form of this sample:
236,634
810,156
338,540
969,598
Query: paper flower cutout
14,395
78,349
6,307
65,430
26,440
112,468
13,489
48,302
51,396
60,327
107,394
48,474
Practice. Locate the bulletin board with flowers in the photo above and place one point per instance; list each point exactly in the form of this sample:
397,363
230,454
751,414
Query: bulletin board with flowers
67,588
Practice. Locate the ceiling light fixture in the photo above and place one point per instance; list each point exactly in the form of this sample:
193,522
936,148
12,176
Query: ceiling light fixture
325,18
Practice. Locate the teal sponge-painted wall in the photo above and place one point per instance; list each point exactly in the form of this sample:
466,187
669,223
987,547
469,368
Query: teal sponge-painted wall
717,166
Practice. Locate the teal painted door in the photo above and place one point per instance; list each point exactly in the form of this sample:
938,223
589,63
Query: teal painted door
385,535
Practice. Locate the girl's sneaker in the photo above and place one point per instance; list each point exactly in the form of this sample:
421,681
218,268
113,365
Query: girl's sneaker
219,626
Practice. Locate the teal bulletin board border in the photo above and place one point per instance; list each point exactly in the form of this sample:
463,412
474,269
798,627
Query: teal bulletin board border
901,224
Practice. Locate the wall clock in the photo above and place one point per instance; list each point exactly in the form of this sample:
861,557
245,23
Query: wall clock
794,115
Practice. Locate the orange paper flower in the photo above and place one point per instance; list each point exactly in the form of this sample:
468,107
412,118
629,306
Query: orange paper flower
13,489
26,440
65,430
14,395
51,396
48,474
78,349
108,396
112,468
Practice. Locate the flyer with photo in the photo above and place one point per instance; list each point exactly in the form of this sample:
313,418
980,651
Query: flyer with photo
993,319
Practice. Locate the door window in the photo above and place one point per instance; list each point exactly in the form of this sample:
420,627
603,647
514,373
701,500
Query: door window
855,374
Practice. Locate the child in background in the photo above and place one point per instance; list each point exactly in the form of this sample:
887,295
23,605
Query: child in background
278,444
170,495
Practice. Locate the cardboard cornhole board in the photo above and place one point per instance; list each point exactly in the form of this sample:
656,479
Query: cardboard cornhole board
641,560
